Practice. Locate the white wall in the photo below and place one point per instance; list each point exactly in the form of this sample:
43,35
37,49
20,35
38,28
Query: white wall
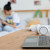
27,4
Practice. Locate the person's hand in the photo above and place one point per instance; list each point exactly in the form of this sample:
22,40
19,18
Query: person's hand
3,22
18,26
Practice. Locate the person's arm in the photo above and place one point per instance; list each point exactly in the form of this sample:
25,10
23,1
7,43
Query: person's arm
12,25
16,20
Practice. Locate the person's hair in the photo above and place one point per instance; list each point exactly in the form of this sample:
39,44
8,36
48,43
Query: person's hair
8,6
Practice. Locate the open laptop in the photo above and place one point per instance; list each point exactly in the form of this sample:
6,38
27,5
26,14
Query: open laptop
37,42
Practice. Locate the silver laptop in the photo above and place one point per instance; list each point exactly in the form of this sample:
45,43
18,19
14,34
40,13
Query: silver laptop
37,42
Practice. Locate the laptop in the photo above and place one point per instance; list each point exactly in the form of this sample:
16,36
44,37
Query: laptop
37,42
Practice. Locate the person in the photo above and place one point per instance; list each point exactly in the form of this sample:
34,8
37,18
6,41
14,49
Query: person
11,21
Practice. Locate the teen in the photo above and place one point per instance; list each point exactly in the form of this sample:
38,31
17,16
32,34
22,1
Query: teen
12,21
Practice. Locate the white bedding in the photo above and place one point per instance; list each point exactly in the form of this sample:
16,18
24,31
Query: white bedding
23,23
3,33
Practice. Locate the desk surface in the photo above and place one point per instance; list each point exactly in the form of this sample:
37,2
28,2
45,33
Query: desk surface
15,40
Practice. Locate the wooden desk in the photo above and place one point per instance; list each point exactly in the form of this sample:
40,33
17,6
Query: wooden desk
15,40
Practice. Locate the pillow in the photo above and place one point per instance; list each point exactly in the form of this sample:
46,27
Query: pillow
33,22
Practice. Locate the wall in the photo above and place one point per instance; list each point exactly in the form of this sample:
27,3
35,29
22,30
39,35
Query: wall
27,4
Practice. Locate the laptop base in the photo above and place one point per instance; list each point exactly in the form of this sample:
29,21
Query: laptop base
36,47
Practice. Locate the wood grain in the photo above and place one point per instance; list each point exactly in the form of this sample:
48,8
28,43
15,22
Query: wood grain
15,40
33,11
28,10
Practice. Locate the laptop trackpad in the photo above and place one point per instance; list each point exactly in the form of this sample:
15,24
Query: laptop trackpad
31,42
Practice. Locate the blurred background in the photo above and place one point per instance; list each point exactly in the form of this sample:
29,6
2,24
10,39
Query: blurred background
26,9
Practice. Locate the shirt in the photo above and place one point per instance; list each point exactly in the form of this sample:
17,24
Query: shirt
13,18
16,18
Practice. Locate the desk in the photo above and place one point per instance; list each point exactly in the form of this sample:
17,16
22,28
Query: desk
15,40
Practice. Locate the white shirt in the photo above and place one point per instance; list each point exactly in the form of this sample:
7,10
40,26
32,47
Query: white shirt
15,16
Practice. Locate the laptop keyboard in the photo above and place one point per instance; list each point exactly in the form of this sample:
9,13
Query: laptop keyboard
44,40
